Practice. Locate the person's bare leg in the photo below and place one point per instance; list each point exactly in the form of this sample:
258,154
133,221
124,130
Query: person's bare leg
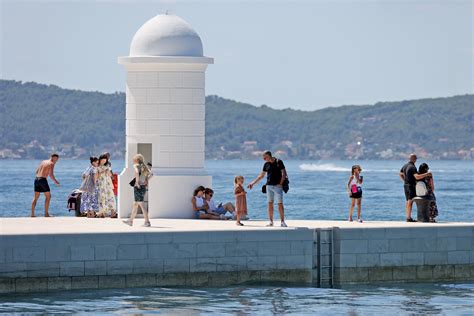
270,211
33,203
359,205
281,210
209,216
134,212
47,200
144,211
351,209
409,207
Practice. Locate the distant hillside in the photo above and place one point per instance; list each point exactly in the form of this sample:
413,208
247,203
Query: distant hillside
37,118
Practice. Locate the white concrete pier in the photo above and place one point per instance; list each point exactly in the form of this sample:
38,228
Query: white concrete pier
49,254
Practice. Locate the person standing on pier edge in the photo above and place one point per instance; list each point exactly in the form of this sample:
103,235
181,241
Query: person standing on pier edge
240,199
114,178
90,190
409,176
429,182
107,206
354,188
45,170
276,175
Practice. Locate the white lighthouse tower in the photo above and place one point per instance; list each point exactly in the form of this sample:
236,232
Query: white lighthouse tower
165,115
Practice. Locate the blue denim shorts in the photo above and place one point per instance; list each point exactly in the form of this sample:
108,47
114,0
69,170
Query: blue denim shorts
197,214
139,194
274,193
220,210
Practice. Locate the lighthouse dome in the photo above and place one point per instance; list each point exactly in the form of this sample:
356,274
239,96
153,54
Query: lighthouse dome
166,35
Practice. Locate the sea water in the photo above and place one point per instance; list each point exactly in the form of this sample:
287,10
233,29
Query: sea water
403,299
317,189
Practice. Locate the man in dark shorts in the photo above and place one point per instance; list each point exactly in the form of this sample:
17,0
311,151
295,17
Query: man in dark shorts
45,170
276,174
409,176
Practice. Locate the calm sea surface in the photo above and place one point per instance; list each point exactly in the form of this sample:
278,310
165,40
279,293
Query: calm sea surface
406,299
317,189
317,192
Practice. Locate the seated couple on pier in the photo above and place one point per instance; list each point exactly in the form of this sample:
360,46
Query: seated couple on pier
204,206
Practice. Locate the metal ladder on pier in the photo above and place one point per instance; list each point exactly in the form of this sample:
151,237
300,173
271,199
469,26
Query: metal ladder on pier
324,243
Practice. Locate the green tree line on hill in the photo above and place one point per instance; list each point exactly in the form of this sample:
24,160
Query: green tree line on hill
38,118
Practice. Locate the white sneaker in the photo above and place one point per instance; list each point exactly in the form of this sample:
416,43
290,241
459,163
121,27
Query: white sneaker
283,224
147,224
129,223
270,224
360,220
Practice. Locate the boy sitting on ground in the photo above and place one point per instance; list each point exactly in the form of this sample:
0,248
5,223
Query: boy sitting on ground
228,209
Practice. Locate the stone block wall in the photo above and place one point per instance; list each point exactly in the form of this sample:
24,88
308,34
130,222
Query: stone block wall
167,108
404,254
57,262
220,258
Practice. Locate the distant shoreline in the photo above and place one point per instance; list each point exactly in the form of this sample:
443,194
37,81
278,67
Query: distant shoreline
439,128
259,160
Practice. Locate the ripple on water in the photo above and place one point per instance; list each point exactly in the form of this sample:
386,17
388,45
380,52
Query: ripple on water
258,300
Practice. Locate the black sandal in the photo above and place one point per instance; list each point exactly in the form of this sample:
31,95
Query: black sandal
411,220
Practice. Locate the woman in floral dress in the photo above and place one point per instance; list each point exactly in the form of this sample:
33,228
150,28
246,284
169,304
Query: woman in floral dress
107,205
90,192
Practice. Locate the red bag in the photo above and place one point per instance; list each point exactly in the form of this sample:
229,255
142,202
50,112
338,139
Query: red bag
354,188
115,183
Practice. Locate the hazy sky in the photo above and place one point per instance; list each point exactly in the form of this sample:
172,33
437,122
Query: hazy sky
299,54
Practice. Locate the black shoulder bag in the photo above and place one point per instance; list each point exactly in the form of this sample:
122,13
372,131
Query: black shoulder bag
132,183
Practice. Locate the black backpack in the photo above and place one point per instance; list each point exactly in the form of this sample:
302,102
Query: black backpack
286,182
74,202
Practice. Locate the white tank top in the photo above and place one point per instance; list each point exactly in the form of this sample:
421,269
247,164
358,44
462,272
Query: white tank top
354,181
199,201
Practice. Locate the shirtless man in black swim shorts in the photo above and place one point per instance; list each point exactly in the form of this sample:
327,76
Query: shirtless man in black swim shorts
45,170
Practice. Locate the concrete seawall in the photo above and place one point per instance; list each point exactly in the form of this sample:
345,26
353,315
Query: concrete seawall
39,255
433,253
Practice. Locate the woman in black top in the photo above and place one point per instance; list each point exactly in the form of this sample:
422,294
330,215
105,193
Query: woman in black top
433,211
